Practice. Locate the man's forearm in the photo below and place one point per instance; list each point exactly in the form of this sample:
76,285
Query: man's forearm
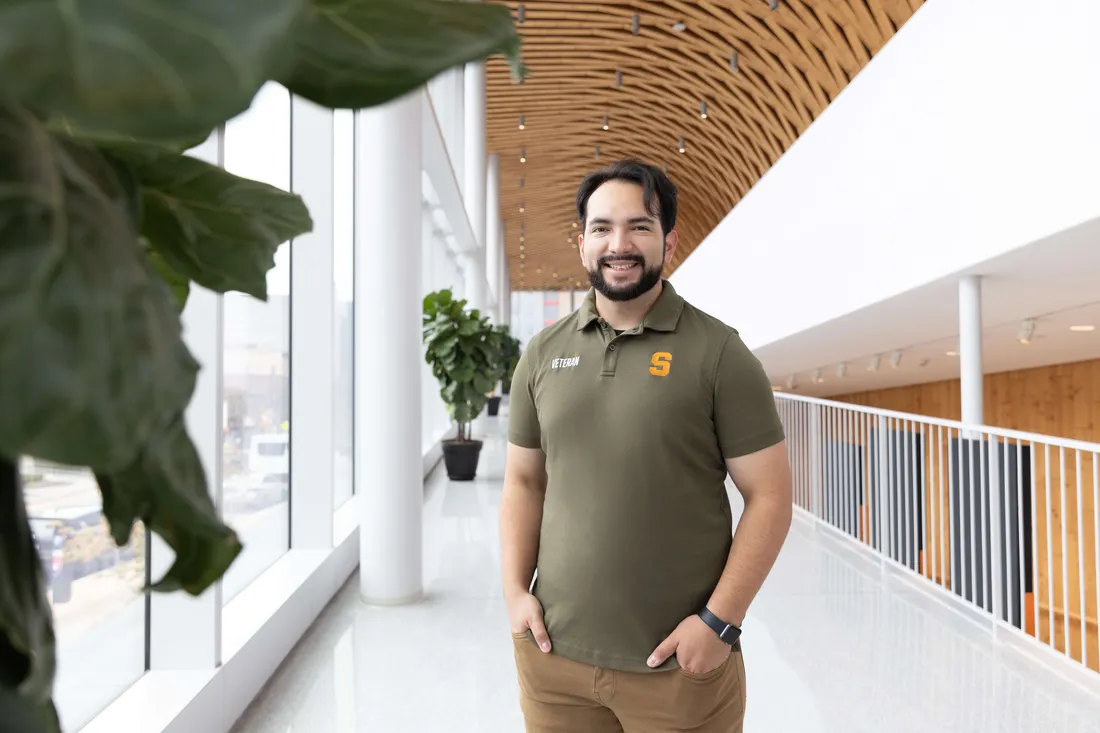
520,526
760,535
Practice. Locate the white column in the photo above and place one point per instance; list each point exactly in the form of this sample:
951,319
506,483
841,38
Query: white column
493,254
458,121
313,333
504,292
970,349
474,189
186,632
388,462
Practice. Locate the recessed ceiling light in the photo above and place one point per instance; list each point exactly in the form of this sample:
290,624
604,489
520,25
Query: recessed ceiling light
1084,328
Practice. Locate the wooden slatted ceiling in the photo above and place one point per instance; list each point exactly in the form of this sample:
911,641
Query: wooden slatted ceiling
791,62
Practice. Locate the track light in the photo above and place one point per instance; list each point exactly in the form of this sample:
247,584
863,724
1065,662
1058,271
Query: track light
522,208
521,13
522,155
637,24
1027,330
618,80
875,361
841,369
791,382
772,4
597,152
682,149
605,125
818,379
703,109
521,182
733,61
522,124
895,359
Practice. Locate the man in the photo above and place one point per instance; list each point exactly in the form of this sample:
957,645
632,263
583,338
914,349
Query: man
625,419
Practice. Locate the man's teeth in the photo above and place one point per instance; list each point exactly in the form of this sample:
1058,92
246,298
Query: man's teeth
621,266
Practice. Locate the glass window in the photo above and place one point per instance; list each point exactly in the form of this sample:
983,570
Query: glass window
343,231
94,587
256,388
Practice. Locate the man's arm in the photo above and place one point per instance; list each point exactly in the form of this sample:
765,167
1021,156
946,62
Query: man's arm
750,435
764,480
521,517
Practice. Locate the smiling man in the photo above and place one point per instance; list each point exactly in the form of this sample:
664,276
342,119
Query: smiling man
625,419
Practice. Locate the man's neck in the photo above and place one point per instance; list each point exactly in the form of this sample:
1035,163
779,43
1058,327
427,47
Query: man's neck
624,315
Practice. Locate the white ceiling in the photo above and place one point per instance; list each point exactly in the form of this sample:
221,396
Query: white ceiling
1055,281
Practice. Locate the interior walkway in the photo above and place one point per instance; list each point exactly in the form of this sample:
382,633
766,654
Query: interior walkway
828,646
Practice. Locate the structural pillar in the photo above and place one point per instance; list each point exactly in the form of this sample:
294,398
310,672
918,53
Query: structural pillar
970,349
493,254
458,139
388,461
474,190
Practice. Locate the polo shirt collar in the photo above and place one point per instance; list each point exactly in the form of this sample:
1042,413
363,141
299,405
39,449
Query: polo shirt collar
662,316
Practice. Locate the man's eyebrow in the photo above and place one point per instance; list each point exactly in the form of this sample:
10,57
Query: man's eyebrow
631,220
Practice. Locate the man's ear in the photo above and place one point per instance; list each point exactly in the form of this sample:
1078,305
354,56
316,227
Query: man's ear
672,239
580,247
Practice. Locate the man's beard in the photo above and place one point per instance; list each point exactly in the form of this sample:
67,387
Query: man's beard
648,280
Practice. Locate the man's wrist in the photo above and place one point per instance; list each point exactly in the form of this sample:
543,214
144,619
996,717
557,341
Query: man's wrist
515,590
726,630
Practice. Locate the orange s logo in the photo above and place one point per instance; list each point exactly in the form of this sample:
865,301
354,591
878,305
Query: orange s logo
662,362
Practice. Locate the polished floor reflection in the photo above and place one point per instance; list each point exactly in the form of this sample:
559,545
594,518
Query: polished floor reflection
829,646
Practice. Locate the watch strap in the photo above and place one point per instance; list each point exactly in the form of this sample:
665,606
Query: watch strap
727,632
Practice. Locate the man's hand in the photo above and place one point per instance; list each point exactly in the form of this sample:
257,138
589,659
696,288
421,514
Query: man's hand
525,612
697,648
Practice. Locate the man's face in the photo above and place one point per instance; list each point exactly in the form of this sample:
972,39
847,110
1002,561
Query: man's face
623,248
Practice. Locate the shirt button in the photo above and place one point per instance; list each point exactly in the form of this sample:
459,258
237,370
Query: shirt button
612,347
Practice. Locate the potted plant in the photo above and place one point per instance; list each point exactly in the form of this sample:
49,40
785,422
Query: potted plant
108,221
461,348
511,349
500,338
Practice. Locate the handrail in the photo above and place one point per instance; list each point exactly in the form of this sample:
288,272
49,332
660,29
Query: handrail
1053,440
995,520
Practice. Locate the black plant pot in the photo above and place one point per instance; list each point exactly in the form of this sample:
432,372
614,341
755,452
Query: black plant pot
494,406
461,457
506,388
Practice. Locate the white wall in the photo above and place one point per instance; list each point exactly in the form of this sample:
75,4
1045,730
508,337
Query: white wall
975,131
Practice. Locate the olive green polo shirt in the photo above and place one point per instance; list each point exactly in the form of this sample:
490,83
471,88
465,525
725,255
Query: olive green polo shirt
636,427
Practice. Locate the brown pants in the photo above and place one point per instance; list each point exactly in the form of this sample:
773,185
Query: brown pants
559,695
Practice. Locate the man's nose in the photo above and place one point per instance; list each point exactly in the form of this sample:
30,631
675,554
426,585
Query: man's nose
620,241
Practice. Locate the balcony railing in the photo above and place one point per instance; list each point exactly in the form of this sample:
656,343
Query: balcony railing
1006,521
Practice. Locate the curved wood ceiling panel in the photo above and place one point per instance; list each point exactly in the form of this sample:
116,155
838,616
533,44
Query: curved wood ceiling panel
793,57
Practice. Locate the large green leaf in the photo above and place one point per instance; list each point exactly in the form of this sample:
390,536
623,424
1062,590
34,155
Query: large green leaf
166,488
210,226
362,53
27,649
151,68
177,283
90,346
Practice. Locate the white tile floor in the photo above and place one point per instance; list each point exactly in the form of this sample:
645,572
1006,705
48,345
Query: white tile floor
828,645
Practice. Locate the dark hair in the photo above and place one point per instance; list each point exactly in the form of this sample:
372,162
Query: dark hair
652,179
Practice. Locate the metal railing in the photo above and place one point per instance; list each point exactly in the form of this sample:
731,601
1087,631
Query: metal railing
1007,521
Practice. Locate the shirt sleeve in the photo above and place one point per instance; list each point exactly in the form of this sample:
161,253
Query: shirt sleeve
745,416
523,419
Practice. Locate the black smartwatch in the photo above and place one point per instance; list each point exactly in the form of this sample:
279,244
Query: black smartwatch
726,632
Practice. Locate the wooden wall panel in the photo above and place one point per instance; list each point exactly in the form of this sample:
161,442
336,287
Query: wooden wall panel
1062,401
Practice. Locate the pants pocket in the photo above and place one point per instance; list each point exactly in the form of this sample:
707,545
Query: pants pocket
706,676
